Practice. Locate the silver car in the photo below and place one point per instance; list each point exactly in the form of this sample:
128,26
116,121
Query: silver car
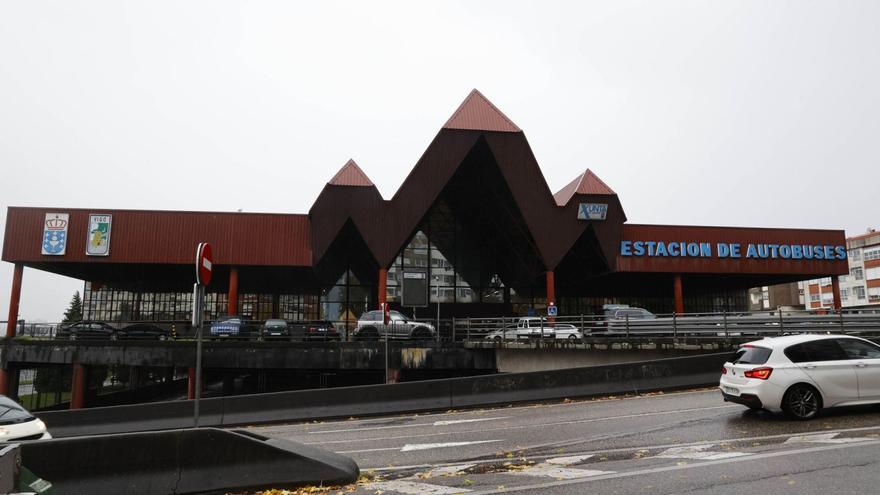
370,326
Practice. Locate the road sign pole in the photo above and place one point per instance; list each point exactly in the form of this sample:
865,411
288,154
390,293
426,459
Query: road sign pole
204,271
198,302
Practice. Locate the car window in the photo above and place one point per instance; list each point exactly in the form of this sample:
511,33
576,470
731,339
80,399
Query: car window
370,316
11,412
817,350
398,316
858,349
751,355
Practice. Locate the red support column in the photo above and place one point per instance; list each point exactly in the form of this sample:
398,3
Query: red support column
191,384
4,382
835,288
14,298
551,292
679,296
78,387
383,286
232,296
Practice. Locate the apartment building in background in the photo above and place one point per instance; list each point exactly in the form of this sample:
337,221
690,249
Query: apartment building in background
859,289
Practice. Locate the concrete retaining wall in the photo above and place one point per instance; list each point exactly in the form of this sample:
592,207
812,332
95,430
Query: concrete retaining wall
428,395
182,461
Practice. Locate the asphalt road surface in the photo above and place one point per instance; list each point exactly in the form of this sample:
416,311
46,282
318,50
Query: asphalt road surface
687,442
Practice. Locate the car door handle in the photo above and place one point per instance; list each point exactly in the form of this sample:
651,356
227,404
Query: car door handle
810,366
861,365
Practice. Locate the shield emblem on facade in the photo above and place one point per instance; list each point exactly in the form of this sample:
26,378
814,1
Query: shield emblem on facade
55,234
98,242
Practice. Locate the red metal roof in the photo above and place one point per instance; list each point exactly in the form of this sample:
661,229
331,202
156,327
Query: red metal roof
586,183
167,237
477,113
351,175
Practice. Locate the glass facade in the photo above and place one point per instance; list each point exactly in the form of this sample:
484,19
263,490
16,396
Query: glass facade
459,269
346,300
108,304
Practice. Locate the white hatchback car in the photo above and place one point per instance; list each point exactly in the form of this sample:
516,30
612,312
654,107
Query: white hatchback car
16,424
802,374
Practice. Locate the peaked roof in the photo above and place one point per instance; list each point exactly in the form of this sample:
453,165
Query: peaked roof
586,183
477,113
350,175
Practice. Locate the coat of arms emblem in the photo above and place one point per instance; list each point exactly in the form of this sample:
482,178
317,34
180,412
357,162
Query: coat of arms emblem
55,234
98,242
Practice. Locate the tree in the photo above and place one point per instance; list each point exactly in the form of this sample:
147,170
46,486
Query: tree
74,311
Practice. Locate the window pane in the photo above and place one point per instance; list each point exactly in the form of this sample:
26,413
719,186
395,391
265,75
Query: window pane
857,349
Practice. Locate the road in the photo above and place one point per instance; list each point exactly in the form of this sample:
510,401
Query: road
686,442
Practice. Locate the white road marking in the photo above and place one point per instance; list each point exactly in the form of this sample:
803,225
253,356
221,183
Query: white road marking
824,438
501,428
569,460
396,427
643,447
698,452
678,467
558,472
428,446
460,421
413,488
367,450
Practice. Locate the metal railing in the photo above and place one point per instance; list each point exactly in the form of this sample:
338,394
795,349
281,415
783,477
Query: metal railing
697,326
565,329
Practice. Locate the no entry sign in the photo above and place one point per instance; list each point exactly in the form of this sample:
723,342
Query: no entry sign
204,263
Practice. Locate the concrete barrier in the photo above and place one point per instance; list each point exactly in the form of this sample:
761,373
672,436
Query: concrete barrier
304,405
206,460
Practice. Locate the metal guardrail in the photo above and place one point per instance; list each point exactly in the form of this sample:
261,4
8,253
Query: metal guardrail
573,329
696,326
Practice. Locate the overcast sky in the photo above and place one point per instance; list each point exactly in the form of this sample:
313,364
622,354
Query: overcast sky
746,113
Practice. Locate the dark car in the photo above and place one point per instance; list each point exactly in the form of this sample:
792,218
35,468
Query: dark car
275,329
317,330
143,331
87,330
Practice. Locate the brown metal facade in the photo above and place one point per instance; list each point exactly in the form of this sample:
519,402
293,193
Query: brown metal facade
165,237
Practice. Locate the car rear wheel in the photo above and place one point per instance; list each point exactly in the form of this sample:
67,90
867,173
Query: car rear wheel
573,338
114,336
72,336
802,402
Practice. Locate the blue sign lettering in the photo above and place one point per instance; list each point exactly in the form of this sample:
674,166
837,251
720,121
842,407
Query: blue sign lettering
682,249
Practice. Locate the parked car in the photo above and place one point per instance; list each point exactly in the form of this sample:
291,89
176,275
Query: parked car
275,329
318,330
803,374
143,331
509,332
370,326
230,326
86,330
17,424
567,332
531,327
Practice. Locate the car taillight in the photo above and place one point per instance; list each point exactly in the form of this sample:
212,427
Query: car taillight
724,370
313,329
759,373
